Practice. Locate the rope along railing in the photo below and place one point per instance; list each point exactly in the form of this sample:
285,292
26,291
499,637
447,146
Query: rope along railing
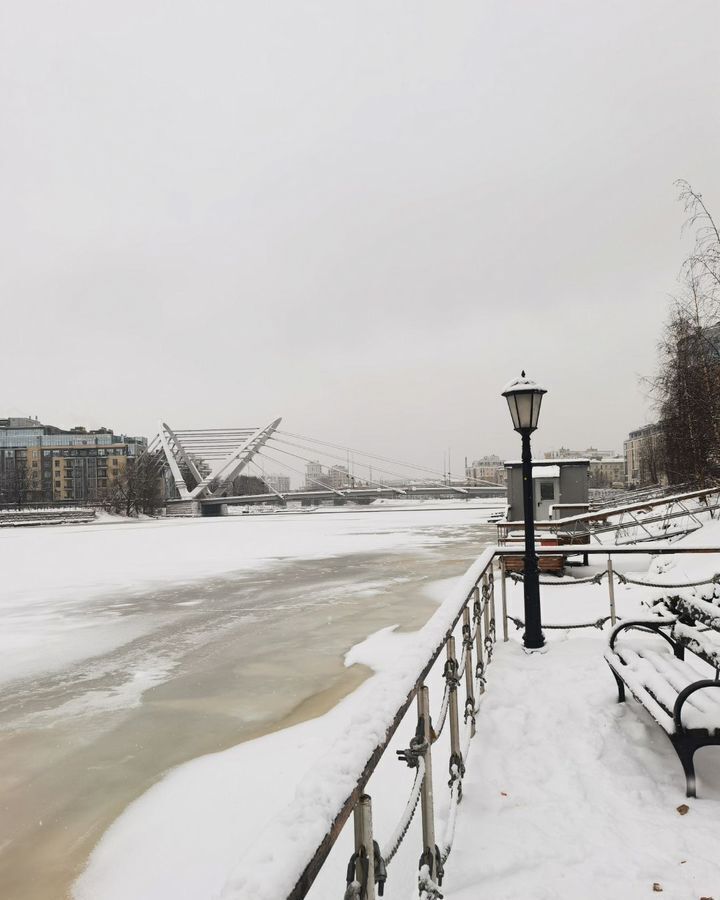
610,574
471,628
368,869
598,623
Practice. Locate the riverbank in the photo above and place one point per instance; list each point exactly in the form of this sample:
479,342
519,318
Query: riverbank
208,663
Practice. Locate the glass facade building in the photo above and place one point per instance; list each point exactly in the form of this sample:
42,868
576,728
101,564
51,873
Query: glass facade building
42,463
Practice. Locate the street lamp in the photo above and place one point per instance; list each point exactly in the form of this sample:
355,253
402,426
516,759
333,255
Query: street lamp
524,398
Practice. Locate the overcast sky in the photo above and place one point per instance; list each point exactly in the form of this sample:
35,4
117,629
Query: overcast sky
364,217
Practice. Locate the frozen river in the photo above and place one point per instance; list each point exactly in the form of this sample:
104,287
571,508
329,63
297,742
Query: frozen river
129,648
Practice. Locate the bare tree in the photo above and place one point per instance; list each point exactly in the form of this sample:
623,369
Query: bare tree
686,387
139,488
19,483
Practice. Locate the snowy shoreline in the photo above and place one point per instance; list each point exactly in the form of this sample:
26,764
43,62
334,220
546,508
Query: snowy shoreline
210,831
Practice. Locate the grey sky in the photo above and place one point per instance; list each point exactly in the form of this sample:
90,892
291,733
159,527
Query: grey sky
364,217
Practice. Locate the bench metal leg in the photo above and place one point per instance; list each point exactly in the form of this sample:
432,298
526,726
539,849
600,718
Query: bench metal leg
686,753
620,686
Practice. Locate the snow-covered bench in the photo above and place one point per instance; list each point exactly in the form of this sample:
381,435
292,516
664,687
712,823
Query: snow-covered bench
671,688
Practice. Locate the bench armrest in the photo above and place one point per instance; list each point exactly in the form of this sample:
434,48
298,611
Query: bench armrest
684,694
653,625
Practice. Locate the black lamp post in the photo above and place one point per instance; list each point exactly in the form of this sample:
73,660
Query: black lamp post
524,398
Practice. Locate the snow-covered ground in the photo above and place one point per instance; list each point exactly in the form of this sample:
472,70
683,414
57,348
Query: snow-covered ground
568,794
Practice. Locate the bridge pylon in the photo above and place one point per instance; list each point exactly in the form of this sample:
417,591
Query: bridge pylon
211,458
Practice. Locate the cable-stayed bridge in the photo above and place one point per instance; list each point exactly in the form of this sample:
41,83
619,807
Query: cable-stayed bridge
205,466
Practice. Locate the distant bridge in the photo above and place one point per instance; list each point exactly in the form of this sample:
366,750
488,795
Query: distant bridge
204,464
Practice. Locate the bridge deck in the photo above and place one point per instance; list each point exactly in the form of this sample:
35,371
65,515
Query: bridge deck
407,492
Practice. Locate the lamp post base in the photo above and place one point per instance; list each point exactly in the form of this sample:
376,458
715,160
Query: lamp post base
531,650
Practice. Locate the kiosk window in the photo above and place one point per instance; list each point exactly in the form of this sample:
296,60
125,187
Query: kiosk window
547,490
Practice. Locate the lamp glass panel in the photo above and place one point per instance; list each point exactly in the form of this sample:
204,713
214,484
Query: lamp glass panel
524,409
537,400
512,405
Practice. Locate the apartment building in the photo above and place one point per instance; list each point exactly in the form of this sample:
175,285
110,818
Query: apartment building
43,463
642,452
486,469
589,453
279,483
338,478
607,472
314,476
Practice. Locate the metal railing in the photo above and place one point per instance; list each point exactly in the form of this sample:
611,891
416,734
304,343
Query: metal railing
639,495
609,572
467,619
630,524
464,684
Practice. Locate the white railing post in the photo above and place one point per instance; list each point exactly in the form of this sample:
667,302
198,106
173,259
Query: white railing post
611,589
469,671
452,681
486,603
479,647
364,848
426,793
488,591
503,595
491,584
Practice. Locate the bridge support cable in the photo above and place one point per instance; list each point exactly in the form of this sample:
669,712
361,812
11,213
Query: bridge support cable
300,472
357,452
384,485
437,478
261,476
332,456
319,452
345,494
236,461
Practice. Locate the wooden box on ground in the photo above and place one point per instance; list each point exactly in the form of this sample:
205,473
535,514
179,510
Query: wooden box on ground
551,564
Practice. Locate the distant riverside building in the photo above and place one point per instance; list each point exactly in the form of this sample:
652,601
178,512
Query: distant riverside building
607,472
279,483
335,478
488,468
642,452
314,476
42,463
589,453
338,477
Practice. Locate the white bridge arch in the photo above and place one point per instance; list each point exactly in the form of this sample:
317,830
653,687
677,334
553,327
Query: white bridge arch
212,457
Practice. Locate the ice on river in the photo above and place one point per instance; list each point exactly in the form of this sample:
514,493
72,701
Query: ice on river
57,580
128,649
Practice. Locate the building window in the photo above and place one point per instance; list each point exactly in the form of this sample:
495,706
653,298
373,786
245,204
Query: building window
547,490
58,484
